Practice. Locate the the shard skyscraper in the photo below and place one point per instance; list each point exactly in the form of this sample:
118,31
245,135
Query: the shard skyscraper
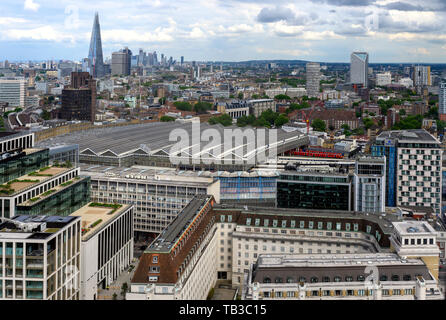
95,57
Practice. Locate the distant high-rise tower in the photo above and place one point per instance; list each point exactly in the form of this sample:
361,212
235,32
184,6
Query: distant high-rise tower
313,78
95,57
442,100
359,68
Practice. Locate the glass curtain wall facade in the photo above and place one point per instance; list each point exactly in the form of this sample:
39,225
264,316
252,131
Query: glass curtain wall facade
14,167
314,192
62,203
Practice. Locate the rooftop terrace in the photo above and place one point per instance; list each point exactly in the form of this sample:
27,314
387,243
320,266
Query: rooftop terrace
95,216
27,181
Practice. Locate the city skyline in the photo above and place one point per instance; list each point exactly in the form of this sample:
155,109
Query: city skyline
317,30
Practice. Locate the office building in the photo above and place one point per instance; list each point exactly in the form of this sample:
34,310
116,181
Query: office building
106,245
370,184
421,76
383,79
18,155
158,194
340,277
257,106
121,62
41,258
210,242
95,57
180,263
31,187
79,99
313,79
413,168
12,91
327,188
442,100
359,67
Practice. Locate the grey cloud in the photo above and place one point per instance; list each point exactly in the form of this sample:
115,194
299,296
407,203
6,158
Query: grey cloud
388,24
353,3
268,15
279,13
404,6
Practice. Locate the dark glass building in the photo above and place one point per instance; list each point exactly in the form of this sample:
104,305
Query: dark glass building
314,191
79,100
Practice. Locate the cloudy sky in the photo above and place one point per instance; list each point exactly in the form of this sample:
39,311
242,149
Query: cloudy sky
230,30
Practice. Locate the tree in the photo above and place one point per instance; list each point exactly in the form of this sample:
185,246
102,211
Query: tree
410,122
345,126
124,288
368,123
318,125
402,112
224,120
46,115
167,119
281,120
240,95
282,97
183,105
115,296
162,101
202,107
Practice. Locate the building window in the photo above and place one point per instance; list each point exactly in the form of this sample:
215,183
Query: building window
310,225
154,259
302,224
328,225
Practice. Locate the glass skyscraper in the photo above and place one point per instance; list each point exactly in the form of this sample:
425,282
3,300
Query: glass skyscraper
95,57
359,68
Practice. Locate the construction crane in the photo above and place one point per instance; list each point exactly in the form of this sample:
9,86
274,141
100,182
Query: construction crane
306,118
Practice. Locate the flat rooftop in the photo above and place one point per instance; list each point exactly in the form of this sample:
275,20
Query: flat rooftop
91,214
148,173
51,225
408,136
30,180
414,227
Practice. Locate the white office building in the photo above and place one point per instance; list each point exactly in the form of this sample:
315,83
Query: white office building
12,90
383,79
107,245
41,258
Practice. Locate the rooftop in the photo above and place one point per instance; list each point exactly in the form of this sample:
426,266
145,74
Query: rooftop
414,227
32,227
95,216
385,221
408,136
167,239
153,139
29,180
293,267
151,173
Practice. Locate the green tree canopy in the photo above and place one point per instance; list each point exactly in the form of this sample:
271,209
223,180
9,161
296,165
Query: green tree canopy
183,105
167,119
224,120
282,97
202,107
318,125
